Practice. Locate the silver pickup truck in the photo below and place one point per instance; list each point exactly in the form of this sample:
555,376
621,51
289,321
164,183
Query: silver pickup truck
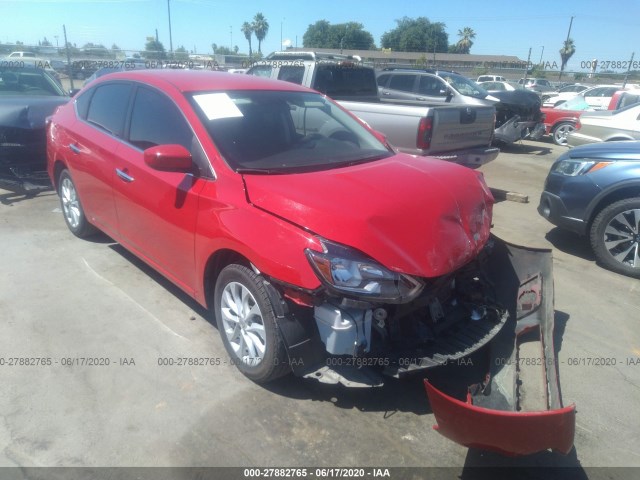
458,133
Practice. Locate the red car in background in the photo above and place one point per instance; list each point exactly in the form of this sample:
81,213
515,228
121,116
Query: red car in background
318,249
562,120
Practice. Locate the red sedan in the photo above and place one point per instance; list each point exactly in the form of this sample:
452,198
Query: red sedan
317,247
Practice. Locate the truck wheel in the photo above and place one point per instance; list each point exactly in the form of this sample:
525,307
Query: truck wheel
615,237
561,131
72,209
247,324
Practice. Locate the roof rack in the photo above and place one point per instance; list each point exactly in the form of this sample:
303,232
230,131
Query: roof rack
302,55
435,71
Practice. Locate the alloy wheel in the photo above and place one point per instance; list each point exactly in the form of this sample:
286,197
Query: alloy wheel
243,323
622,237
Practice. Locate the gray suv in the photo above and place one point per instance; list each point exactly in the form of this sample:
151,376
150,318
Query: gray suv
594,190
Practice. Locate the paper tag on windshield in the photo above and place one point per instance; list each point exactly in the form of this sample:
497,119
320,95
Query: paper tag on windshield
217,105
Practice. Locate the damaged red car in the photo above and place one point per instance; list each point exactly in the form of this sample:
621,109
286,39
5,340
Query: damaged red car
319,249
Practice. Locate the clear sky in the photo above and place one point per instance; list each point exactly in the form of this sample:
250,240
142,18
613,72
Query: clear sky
602,29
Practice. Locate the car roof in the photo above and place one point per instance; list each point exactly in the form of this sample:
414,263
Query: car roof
199,80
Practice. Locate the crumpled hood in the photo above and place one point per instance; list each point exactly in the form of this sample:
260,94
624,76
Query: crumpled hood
28,112
415,215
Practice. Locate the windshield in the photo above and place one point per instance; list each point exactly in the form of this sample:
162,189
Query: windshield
463,85
283,132
28,81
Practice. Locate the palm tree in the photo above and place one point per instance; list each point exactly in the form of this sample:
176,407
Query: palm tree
566,52
247,29
260,28
466,39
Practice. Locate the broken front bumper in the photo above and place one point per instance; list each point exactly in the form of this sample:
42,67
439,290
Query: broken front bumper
516,129
517,408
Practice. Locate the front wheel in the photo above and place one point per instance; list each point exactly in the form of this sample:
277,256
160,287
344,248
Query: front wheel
615,237
561,131
247,324
72,209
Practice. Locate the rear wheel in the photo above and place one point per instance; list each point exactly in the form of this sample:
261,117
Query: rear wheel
561,131
72,209
615,237
247,324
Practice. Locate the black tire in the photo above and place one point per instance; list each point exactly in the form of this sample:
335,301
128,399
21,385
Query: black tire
261,367
560,132
72,210
616,246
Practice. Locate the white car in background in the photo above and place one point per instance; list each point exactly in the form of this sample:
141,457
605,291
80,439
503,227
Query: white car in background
597,97
496,86
607,126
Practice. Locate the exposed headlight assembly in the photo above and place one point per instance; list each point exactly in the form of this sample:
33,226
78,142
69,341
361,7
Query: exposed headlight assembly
574,167
352,273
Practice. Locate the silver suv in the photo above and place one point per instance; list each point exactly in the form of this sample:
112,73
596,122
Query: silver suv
430,87
536,84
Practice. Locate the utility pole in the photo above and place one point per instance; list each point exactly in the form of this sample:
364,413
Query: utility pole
526,67
66,44
626,75
541,53
231,34
170,37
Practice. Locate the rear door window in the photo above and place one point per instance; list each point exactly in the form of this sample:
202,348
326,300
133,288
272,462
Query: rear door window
108,107
404,83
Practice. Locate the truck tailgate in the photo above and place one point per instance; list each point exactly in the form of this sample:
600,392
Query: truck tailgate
458,127
460,134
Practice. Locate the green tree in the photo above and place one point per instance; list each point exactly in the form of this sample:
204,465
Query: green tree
154,50
181,54
45,43
566,52
247,31
466,40
417,35
351,35
260,28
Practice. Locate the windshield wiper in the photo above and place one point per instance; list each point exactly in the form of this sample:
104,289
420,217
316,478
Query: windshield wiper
259,171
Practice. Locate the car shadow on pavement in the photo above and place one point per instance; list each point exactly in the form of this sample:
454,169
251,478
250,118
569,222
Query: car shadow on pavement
158,278
571,243
11,198
537,149
483,465
406,395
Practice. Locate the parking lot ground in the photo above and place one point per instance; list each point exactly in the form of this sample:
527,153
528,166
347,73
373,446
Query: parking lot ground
109,325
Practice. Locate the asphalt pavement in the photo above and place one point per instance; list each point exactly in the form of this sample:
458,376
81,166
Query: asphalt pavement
104,325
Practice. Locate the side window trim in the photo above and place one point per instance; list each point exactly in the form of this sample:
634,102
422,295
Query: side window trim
101,127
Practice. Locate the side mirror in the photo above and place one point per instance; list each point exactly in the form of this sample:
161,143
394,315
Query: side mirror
169,158
73,92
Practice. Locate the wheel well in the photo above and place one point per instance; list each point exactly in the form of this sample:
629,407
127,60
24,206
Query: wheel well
615,196
572,122
215,264
57,168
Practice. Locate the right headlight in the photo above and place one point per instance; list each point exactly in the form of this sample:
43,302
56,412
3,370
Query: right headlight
573,167
350,272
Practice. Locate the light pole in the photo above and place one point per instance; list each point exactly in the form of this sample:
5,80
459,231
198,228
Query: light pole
170,38
231,35
541,53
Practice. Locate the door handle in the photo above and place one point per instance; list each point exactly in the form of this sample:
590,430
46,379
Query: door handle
124,176
420,98
74,148
386,93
